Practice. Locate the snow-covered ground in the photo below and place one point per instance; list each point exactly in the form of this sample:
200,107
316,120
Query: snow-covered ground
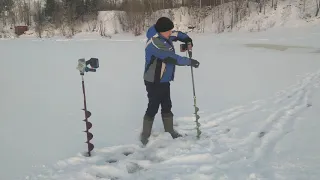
257,93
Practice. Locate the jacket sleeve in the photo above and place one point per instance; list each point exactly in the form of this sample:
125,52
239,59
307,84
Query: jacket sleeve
178,35
165,55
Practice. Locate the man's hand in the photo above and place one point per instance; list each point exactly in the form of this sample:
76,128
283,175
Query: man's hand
188,39
194,63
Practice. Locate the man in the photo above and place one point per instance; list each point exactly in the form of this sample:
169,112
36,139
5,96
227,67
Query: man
159,71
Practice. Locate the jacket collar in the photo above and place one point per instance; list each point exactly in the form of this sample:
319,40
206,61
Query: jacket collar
165,39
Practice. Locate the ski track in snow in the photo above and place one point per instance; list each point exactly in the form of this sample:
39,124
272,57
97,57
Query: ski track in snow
218,152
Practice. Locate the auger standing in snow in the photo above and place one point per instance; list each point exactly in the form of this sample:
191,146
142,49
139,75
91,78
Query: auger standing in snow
160,64
187,47
83,67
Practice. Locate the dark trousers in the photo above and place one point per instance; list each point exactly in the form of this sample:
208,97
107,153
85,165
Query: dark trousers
158,94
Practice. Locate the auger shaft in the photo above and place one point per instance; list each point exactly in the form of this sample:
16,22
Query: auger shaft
196,109
88,124
84,98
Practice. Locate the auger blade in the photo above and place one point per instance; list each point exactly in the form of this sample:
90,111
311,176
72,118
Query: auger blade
89,136
90,146
197,117
87,113
88,125
196,109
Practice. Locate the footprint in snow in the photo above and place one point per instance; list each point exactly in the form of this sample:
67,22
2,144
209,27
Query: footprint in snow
261,134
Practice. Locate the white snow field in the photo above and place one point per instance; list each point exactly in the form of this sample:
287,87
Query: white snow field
257,93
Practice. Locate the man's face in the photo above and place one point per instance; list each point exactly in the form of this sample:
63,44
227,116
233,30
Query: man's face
166,34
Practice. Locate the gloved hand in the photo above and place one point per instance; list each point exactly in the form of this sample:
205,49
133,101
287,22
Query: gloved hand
188,40
195,63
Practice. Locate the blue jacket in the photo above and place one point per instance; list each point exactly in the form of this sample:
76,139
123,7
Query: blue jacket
160,57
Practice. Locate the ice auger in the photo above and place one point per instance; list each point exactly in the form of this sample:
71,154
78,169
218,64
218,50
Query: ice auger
83,67
187,47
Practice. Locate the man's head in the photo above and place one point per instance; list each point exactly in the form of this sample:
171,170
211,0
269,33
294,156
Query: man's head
164,26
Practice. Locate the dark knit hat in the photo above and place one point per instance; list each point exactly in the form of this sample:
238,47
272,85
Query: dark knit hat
164,24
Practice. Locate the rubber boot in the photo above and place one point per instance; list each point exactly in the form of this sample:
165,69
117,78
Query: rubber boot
167,119
146,130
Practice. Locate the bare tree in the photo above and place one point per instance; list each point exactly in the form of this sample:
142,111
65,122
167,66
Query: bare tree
5,8
260,5
248,7
232,14
69,17
136,14
218,16
275,4
318,7
27,12
49,10
23,12
238,11
57,17
148,5
39,18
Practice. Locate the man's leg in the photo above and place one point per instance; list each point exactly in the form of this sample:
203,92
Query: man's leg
166,104
154,99
152,109
166,113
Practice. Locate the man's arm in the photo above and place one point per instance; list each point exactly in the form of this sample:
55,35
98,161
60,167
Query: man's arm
154,48
180,36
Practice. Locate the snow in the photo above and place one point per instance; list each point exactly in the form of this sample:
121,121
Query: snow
257,93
